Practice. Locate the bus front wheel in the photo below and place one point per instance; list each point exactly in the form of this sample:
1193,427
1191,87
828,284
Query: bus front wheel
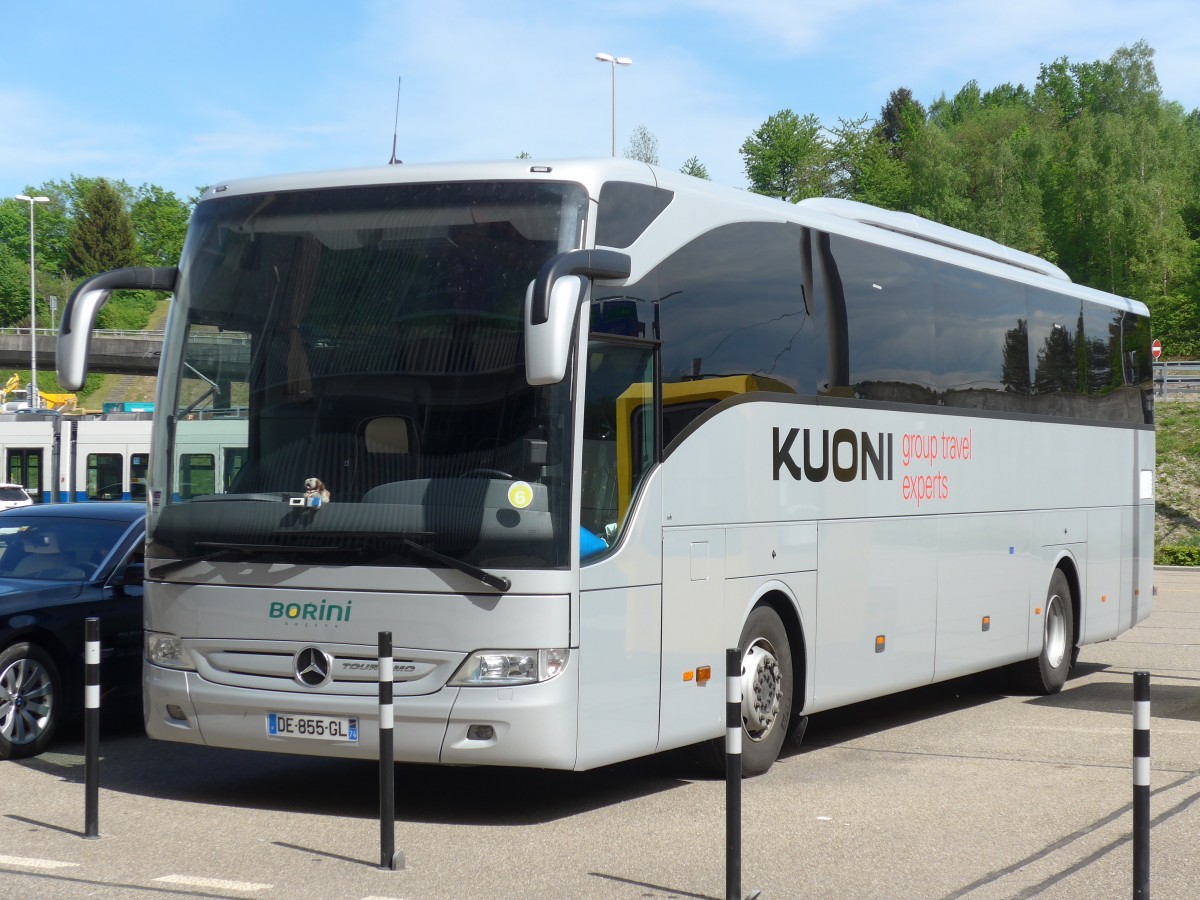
766,681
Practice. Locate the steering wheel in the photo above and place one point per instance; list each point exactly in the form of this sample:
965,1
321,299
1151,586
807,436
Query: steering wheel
490,473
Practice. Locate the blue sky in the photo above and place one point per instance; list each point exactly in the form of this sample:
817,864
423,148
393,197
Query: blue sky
187,94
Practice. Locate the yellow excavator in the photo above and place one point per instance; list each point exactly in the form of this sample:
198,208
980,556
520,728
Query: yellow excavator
13,396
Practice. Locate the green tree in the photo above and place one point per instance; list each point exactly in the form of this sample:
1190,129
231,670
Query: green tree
692,166
938,175
50,226
160,222
897,120
787,157
102,236
643,146
14,287
1123,172
863,167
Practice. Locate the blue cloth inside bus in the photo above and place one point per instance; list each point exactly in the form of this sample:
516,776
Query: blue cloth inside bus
590,544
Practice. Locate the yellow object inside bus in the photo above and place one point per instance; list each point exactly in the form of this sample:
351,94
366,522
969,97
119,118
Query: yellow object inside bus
682,401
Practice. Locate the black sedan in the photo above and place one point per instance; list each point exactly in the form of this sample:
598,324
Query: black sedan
59,565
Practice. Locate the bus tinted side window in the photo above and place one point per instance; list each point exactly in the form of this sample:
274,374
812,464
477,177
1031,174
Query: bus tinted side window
1114,391
731,312
982,340
732,304
889,339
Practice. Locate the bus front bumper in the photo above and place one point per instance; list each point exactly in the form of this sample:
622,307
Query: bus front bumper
530,725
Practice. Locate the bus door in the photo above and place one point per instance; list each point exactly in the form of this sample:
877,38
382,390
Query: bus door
620,542
25,468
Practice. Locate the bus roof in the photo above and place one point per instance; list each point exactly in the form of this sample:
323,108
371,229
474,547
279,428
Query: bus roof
846,217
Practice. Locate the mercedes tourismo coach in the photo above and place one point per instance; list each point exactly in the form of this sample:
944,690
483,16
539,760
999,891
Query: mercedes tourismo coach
568,431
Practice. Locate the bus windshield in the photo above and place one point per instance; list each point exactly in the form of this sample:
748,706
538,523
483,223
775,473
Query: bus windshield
350,383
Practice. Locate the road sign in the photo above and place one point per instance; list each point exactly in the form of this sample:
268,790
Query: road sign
1156,348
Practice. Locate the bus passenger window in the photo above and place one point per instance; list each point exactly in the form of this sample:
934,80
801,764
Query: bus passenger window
618,440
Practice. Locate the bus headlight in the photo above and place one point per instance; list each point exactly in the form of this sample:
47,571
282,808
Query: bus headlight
499,668
167,650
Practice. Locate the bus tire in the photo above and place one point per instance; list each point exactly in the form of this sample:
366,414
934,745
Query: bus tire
1047,672
767,681
31,700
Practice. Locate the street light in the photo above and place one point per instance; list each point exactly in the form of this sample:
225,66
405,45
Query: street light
34,397
614,61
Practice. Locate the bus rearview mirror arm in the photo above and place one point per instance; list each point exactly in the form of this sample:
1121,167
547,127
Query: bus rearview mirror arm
552,301
79,315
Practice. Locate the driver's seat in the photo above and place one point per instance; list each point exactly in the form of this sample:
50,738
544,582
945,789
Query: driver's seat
42,552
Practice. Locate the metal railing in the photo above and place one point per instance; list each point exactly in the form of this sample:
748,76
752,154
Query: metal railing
1180,377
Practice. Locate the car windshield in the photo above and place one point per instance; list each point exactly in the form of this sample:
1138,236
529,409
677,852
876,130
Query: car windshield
56,549
349,371
9,493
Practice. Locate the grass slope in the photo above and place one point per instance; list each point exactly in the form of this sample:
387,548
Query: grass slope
1177,483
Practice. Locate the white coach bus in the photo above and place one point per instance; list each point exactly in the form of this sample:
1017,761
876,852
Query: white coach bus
568,431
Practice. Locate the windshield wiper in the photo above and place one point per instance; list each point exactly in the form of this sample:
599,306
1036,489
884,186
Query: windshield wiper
222,551
499,582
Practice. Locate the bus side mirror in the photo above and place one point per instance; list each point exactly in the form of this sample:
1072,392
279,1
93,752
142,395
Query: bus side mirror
548,344
551,302
79,315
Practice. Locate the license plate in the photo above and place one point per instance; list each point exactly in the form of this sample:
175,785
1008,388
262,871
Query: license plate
318,728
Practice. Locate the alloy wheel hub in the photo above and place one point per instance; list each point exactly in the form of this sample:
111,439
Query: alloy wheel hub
761,681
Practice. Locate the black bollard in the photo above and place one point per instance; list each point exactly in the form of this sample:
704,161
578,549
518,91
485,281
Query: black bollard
733,778
91,728
733,774
1141,785
388,857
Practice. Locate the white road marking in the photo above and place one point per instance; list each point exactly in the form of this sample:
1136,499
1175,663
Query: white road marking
220,884
29,862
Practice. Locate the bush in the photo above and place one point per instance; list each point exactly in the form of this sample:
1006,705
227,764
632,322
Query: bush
1177,555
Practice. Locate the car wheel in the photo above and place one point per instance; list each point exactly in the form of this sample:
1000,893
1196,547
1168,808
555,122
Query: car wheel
31,700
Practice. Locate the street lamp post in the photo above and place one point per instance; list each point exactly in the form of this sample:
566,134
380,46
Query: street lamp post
614,61
34,397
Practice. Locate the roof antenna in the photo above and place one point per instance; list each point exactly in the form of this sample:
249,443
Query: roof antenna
396,127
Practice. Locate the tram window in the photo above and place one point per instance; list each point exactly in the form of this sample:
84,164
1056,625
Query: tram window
197,475
138,464
105,476
235,458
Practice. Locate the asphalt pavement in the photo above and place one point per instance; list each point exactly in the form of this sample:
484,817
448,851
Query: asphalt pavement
951,791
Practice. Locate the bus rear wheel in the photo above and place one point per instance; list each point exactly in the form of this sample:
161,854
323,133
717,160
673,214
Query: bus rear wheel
1047,672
